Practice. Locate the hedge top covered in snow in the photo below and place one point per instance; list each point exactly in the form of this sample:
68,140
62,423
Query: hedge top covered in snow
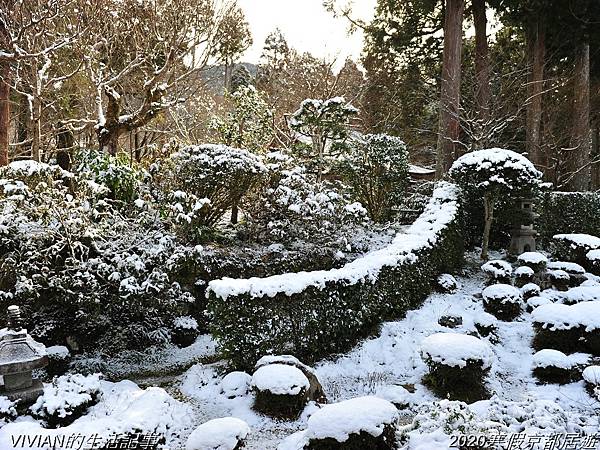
441,211
582,294
569,267
504,293
579,240
280,379
564,317
524,271
591,374
593,255
340,420
218,434
532,258
553,358
455,349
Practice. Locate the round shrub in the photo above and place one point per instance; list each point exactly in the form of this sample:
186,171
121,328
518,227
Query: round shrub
363,423
227,433
503,301
236,384
553,366
376,169
281,390
559,279
593,261
591,377
498,271
447,283
523,275
59,359
535,260
458,365
574,247
185,331
486,324
535,301
530,290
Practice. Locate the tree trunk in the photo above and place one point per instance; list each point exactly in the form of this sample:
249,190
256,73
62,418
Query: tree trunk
449,121
65,141
536,49
36,129
4,110
488,207
228,74
579,160
23,124
482,68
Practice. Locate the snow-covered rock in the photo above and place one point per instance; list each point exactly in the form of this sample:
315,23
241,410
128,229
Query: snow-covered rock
280,379
236,384
340,420
455,349
218,434
591,375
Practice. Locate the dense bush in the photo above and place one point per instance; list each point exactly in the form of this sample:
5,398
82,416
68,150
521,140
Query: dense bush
311,314
214,178
376,168
568,212
291,205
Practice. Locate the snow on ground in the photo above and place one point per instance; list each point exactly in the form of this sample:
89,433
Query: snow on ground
392,358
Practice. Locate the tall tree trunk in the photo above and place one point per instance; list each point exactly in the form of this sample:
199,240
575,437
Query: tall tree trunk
488,207
581,143
228,74
36,129
23,124
536,49
449,121
482,68
4,98
65,141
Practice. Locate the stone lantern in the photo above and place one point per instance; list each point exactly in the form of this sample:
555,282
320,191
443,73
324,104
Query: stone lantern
19,355
523,234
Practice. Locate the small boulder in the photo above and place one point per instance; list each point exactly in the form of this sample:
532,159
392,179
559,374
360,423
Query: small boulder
227,433
450,321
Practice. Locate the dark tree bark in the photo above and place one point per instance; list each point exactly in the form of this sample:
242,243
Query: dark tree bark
482,66
4,97
449,124
536,50
581,143
65,141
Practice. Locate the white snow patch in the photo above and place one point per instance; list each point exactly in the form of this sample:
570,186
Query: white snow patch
218,434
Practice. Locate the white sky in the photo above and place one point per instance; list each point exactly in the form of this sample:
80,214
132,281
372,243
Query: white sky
306,25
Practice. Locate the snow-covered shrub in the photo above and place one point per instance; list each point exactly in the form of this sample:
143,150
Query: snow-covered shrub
530,290
214,177
396,394
486,324
281,390
492,176
535,260
8,410
450,320
362,423
458,365
498,271
574,247
81,268
503,301
66,399
59,358
559,279
593,260
568,328
376,169
523,275
567,212
312,314
292,206
117,173
447,283
184,331
227,433
553,366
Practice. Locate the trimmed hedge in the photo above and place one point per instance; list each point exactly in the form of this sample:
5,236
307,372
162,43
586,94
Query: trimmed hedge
568,212
287,314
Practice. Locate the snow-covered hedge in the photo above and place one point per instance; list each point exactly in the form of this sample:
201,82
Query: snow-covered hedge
568,212
311,314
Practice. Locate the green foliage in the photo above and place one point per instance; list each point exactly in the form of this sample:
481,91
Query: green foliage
250,122
322,320
567,212
209,179
117,173
376,168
